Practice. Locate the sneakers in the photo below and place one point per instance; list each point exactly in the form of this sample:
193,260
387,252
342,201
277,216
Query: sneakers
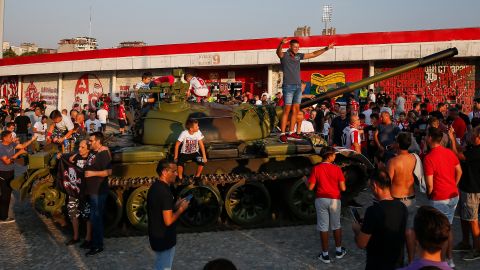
451,263
295,136
93,251
72,242
340,254
324,259
8,220
472,256
283,138
461,247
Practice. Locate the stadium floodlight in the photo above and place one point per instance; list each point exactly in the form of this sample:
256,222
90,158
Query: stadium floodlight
327,15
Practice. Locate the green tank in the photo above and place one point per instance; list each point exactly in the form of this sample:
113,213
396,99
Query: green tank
250,178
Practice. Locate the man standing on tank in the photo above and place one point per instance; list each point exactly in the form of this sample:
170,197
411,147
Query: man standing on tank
292,92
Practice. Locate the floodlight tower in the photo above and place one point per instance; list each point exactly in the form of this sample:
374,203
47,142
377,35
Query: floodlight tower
327,16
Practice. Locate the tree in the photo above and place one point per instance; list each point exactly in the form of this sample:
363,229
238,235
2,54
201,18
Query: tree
9,53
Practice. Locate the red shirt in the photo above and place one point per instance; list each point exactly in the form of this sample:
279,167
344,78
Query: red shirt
354,106
460,127
440,163
121,112
326,177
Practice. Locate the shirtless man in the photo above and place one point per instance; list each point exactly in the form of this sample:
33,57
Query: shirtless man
400,168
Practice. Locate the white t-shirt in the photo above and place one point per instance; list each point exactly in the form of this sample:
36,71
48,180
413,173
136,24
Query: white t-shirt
367,114
386,109
93,126
199,87
65,125
40,127
102,115
350,136
190,141
258,102
306,127
372,97
116,100
326,127
142,85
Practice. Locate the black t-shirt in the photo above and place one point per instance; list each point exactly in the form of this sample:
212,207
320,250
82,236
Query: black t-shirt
470,181
369,132
464,118
97,161
338,125
22,122
385,221
159,199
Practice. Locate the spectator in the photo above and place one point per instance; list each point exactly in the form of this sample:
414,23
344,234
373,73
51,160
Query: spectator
305,125
420,126
369,132
292,92
400,169
475,113
371,96
93,124
63,126
193,148
381,97
382,231
144,84
279,99
458,125
400,103
73,115
198,87
470,194
40,129
122,117
162,214
115,102
442,174
368,112
415,109
434,122
328,181
97,169
441,111
402,122
77,206
384,108
64,112
337,126
7,159
353,105
428,105
11,127
351,135
102,117
23,124
385,136
220,264
463,116
432,230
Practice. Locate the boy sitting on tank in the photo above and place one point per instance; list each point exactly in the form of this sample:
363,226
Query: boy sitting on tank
192,149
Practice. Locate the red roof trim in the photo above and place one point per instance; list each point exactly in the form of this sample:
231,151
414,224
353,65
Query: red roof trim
256,44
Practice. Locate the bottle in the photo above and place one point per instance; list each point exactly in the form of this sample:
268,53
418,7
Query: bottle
66,148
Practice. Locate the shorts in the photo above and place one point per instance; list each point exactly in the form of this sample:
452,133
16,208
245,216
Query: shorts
292,94
411,205
78,208
122,123
469,203
328,214
182,158
447,207
104,127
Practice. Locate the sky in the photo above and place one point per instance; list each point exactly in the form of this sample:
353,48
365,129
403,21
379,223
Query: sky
45,22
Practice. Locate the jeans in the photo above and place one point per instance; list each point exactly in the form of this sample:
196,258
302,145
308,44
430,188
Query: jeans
164,259
6,192
447,207
97,208
292,94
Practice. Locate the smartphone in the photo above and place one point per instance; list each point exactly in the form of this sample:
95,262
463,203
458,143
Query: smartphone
189,197
355,215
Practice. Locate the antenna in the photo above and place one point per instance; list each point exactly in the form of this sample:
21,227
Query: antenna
90,27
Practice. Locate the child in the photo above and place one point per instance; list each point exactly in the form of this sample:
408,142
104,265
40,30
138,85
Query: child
192,141
328,181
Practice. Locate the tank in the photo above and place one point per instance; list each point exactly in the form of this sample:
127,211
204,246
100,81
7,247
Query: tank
250,179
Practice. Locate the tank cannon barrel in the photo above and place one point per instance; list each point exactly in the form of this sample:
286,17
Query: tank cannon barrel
421,62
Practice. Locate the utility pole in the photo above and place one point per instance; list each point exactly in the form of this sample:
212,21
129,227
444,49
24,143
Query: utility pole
2,9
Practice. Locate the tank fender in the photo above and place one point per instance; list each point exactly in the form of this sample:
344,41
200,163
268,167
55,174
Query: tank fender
25,189
350,154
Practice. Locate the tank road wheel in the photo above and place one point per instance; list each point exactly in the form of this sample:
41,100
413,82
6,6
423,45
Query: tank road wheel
247,203
46,199
355,180
113,212
205,206
301,201
136,208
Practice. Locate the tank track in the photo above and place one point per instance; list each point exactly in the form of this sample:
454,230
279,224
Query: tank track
211,179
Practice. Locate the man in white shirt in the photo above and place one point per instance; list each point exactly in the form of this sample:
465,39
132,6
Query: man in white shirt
93,124
102,116
368,112
198,87
63,124
40,129
305,126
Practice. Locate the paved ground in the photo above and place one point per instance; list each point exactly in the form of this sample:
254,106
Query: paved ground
34,242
